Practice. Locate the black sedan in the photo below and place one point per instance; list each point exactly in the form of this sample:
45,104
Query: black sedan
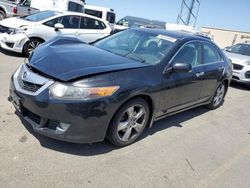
114,88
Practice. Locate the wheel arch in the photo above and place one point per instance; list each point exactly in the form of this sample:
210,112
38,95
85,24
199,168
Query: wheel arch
151,106
34,37
3,9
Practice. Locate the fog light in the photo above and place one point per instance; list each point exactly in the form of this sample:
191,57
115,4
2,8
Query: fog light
63,127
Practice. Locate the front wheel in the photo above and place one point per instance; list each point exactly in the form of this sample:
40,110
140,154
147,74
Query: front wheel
128,123
31,45
218,97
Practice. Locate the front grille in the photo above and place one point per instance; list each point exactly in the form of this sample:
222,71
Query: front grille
30,86
247,74
237,67
3,29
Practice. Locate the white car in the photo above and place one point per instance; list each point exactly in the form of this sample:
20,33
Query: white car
240,57
24,34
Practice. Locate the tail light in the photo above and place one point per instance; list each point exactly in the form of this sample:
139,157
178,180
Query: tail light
15,10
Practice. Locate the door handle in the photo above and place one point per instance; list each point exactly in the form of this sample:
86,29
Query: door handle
29,9
199,74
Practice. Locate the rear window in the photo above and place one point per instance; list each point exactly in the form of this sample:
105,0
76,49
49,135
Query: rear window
93,13
90,23
111,17
74,7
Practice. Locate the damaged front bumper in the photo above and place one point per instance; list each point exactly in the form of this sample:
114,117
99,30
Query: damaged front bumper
14,42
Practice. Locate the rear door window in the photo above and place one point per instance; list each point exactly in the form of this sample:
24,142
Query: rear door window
90,23
74,7
211,54
111,17
95,13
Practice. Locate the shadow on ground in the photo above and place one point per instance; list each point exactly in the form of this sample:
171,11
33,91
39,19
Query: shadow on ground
9,53
240,86
106,147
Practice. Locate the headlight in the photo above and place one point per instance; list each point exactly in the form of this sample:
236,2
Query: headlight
62,91
17,31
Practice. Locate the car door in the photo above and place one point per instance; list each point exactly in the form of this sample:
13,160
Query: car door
71,26
181,90
25,9
92,29
213,70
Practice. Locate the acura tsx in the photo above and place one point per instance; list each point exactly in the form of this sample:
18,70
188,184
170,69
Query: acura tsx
114,88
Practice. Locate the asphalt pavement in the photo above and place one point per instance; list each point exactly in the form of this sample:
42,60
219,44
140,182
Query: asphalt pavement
197,148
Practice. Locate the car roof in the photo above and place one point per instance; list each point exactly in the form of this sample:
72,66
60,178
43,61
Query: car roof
175,34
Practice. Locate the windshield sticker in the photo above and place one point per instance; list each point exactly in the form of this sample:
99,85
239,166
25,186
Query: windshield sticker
164,37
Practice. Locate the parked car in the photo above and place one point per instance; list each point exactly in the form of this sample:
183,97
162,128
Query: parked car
76,92
132,22
106,14
240,57
32,6
24,34
7,8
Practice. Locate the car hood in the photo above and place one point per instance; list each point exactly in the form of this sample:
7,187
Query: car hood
237,58
15,22
68,58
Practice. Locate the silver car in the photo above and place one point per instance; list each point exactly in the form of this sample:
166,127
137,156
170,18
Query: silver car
240,57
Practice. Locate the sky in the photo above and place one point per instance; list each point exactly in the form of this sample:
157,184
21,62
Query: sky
226,14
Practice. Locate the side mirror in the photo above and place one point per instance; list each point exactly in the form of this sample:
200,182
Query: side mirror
125,24
227,48
58,26
181,67
178,68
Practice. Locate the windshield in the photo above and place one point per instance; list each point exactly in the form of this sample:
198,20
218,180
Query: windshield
40,16
243,49
138,45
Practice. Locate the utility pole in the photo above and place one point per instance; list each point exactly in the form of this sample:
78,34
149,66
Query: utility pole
189,12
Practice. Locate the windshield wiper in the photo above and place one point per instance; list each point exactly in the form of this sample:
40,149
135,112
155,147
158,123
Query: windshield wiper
136,56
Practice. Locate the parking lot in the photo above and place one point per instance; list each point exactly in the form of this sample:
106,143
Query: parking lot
197,148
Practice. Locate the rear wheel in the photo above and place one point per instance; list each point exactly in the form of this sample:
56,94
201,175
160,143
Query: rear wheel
218,97
129,122
2,15
31,45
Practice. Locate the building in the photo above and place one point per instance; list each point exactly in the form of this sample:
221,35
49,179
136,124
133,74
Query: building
225,37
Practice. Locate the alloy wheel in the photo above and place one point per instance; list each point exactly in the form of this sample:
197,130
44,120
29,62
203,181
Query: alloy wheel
220,92
1,16
131,123
32,45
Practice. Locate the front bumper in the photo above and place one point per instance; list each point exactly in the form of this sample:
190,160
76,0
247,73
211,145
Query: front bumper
13,43
241,74
72,121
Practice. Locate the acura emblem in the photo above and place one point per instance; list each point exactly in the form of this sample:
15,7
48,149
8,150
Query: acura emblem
24,74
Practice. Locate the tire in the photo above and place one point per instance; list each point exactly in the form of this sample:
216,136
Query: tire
2,15
218,97
30,45
129,122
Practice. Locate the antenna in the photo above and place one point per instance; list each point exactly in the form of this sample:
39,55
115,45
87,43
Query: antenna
189,12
